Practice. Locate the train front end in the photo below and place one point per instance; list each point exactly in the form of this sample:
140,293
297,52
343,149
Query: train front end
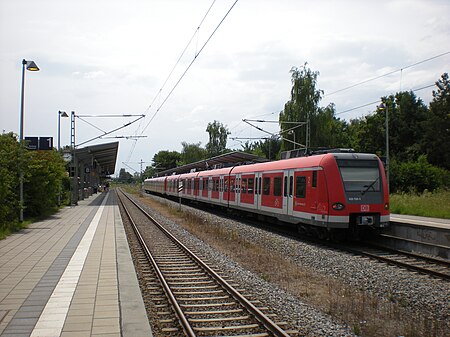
364,188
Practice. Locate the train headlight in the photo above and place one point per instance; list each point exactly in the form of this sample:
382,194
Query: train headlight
337,206
386,206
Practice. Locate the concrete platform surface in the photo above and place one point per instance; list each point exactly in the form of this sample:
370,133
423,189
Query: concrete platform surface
71,275
421,221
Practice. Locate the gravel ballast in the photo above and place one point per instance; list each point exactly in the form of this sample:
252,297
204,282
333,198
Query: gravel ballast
421,295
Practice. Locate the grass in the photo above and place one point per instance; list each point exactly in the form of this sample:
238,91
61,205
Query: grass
8,230
435,205
366,314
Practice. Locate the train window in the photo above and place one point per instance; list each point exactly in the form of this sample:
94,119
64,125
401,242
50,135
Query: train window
225,184
266,186
277,186
250,186
360,175
244,185
259,185
291,186
300,187
314,179
285,186
216,185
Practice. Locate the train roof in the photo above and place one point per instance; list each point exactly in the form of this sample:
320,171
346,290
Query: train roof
293,163
311,161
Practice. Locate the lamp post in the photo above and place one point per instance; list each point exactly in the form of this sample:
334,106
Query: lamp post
384,107
60,114
74,194
31,66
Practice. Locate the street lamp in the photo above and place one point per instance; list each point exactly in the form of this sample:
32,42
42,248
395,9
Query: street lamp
31,66
382,107
60,114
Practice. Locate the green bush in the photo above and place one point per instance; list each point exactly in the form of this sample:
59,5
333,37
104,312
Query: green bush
9,182
43,178
44,172
418,176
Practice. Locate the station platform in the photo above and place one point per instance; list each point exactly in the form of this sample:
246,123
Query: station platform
421,221
71,275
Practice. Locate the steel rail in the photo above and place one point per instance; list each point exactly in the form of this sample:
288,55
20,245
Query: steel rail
259,315
405,265
410,254
183,320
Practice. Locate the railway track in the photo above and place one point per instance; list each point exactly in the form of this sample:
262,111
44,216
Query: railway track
190,298
433,267
418,263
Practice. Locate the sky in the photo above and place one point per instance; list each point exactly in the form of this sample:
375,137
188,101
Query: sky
104,58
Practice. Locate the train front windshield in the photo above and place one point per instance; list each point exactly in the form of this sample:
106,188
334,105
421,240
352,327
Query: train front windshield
360,175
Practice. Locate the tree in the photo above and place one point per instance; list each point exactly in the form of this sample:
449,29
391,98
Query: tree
218,134
165,160
192,153
407,115
367,134
436,139
269,148
248,147
327,130
125,177
303,108
149,172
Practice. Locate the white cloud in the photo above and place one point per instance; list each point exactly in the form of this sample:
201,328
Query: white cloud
104,57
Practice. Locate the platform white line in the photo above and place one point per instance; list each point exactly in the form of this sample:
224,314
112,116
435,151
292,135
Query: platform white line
53,316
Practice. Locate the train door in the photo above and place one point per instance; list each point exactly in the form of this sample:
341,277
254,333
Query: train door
226,189
196,187
232,189
215,189
205,188
221,189
288,192
237,188
258,185
313,191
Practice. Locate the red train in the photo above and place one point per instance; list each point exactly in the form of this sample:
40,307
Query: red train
328,194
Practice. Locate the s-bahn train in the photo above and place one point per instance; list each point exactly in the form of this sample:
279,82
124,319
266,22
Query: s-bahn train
328,194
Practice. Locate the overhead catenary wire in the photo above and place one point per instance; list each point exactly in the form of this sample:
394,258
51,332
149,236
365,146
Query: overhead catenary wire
180,57
369,80
386,74
188,67
378,101
184,73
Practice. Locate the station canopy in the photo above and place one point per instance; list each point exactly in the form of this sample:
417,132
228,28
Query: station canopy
102,156
235,158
